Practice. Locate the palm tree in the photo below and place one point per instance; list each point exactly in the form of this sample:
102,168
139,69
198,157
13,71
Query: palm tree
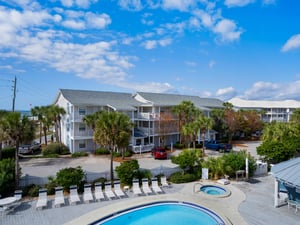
56,112
112,128
186,113
90,120
204,124
19,129
3,135
38,112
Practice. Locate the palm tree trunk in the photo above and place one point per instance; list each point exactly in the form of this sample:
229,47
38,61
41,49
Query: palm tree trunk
17,164
112,165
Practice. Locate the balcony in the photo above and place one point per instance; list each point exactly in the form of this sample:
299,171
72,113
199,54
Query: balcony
148,116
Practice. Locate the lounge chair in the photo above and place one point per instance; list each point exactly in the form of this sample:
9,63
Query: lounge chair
99,192
118,190
164,182
87,194
74,197
136,187
59,197
155,187
108,191
145,186
42,199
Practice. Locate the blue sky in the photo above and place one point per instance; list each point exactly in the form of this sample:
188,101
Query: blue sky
209,48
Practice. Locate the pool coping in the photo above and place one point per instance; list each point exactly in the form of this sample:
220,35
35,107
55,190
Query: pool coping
210,183
226,208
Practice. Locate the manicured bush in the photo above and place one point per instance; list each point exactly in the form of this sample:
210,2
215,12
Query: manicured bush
179,177
51,185
102,151
69,176
7,176
178,146
8,152
79,154
31,190
127,170
56,148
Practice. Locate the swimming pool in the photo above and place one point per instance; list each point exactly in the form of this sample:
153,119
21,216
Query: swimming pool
213,190
163,213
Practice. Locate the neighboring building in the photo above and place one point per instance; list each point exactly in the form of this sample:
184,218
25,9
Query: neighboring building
146,110
272,110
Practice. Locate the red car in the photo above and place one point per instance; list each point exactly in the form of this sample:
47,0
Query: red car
159,153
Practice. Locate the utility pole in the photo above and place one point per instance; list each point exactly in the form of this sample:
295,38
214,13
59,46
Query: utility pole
14,97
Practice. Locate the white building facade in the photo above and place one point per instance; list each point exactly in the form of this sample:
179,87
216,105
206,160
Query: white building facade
280,111
144,109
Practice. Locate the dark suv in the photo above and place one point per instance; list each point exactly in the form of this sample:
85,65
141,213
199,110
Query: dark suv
159,153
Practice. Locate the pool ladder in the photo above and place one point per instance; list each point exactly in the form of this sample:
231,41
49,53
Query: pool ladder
198,186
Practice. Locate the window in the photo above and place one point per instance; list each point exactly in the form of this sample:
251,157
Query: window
82,144
82,127
82,111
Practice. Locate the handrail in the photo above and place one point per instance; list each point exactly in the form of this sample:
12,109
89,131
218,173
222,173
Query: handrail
198,183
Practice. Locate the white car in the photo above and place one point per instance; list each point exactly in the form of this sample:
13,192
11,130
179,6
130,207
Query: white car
29,148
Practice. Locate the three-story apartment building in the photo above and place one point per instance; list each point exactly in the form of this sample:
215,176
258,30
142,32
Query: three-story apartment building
151,113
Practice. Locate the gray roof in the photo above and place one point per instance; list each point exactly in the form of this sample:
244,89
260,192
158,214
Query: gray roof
119,101
288,172
162,99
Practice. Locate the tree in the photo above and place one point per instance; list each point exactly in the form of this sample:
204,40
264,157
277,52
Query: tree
3,134
186,113
55,113
280,142
112,128
205,124
19,129
69,176
38,112
166,124
126,171
90,120
188,159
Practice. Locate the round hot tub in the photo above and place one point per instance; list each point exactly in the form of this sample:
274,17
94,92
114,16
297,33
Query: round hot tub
215,190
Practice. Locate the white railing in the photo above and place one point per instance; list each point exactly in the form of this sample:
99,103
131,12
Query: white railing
142,148
148,116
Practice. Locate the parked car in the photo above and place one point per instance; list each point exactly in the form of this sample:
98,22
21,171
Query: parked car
159,153
29,148
218,146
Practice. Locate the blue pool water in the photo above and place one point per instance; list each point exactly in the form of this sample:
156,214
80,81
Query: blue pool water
164,213
212,190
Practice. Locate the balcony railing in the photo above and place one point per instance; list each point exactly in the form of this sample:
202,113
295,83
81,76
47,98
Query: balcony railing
148,116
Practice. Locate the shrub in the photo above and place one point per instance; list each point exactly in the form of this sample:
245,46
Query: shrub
51,186
7,176
179,177
69,176
79,154
102,151
127,170
178,146
31,190
8,152
56,148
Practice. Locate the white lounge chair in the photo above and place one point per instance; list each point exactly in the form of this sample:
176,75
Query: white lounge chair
99,192
87,194
164,182
136,187
74,197
108,191
118,190
42,199
59,197
155,187
145,187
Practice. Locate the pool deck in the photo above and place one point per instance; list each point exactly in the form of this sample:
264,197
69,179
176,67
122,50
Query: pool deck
249,203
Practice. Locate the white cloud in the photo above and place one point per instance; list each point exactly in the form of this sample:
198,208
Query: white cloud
154,87
165,42
79,3
205,17
273,91
226,93
182,5
77,25
190,63
237,3
150,44
211,64
292,43
99,21
227,30
269,2
131,5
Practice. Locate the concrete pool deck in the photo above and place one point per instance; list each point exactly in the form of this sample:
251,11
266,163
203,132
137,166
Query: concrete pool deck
249,203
